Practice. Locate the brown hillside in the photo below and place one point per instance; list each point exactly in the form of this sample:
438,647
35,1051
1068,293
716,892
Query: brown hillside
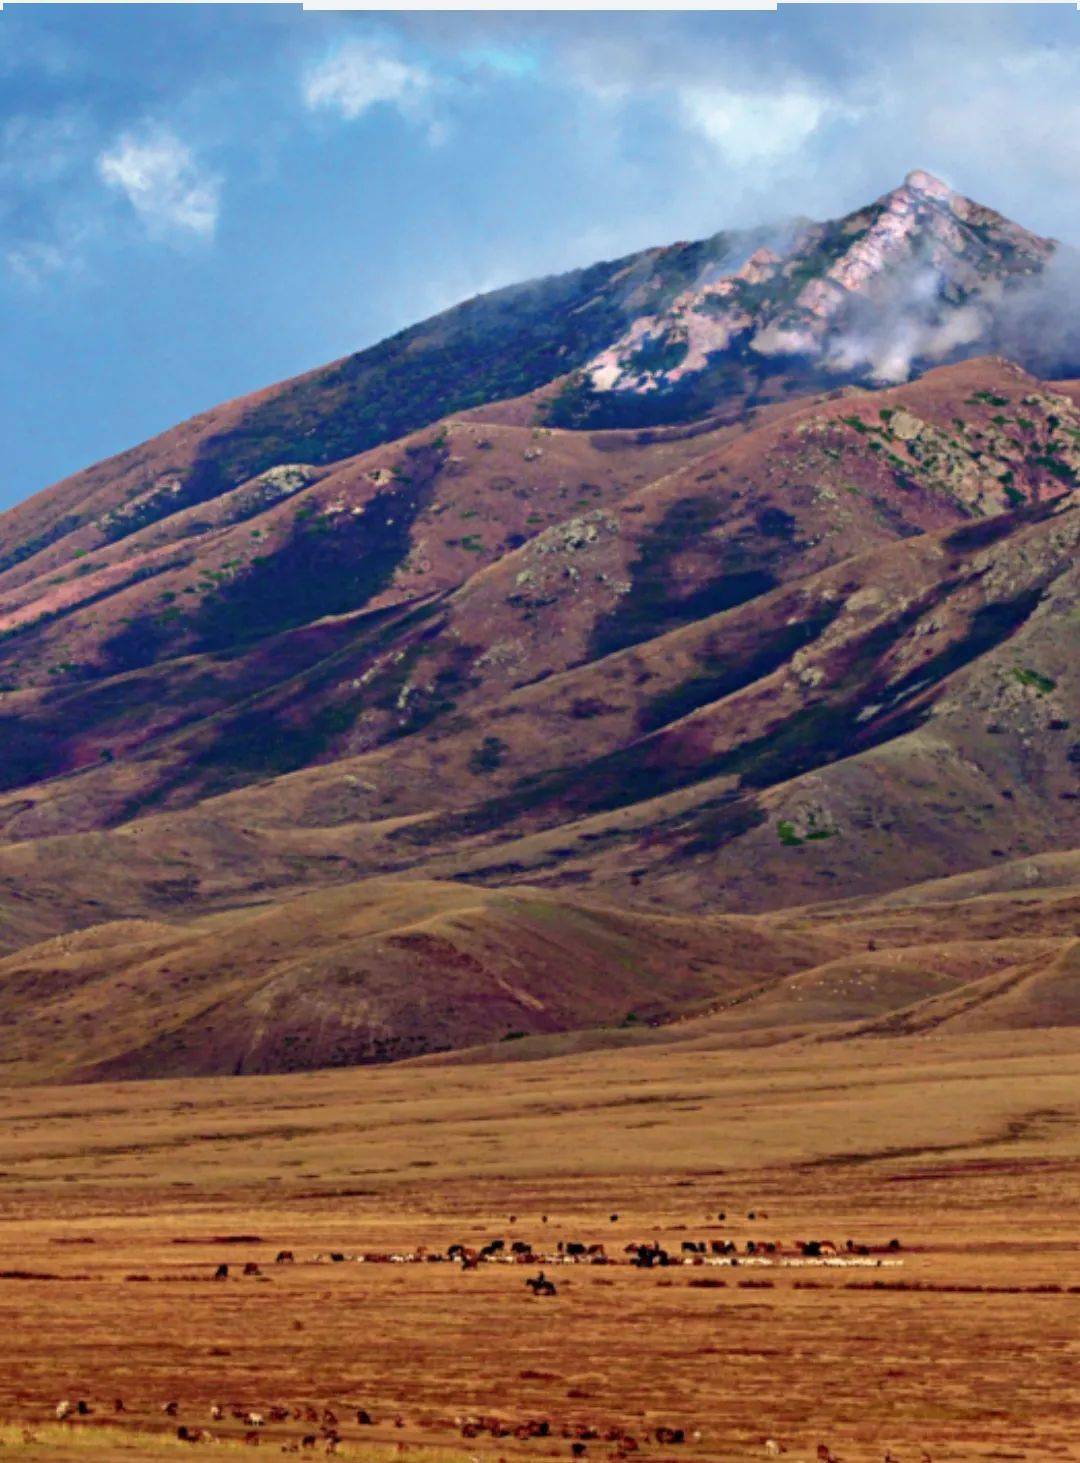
362,973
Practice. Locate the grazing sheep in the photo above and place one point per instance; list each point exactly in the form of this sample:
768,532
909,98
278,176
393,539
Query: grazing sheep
255,1419
64,1410
170,1409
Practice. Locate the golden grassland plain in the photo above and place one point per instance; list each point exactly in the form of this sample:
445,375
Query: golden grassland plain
117,1203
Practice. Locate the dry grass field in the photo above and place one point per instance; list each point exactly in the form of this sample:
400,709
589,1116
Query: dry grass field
118,1202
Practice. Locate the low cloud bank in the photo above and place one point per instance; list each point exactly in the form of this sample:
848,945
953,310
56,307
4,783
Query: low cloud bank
909,323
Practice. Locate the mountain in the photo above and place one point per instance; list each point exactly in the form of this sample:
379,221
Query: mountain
404,707
921,276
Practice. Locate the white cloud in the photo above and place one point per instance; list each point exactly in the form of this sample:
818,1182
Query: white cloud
163,183
753,128
361,74
748,112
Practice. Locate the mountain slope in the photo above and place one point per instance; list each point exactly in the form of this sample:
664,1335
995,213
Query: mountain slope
296,659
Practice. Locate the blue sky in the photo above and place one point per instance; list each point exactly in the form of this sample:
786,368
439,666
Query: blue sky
196,201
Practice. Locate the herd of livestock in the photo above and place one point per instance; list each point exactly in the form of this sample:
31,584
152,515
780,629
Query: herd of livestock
323,1423
643,1255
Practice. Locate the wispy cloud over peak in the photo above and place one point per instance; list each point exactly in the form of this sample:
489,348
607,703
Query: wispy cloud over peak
360,74
159,176
752,127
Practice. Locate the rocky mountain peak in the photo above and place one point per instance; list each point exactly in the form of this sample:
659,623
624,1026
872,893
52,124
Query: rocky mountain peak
914,279
920,181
